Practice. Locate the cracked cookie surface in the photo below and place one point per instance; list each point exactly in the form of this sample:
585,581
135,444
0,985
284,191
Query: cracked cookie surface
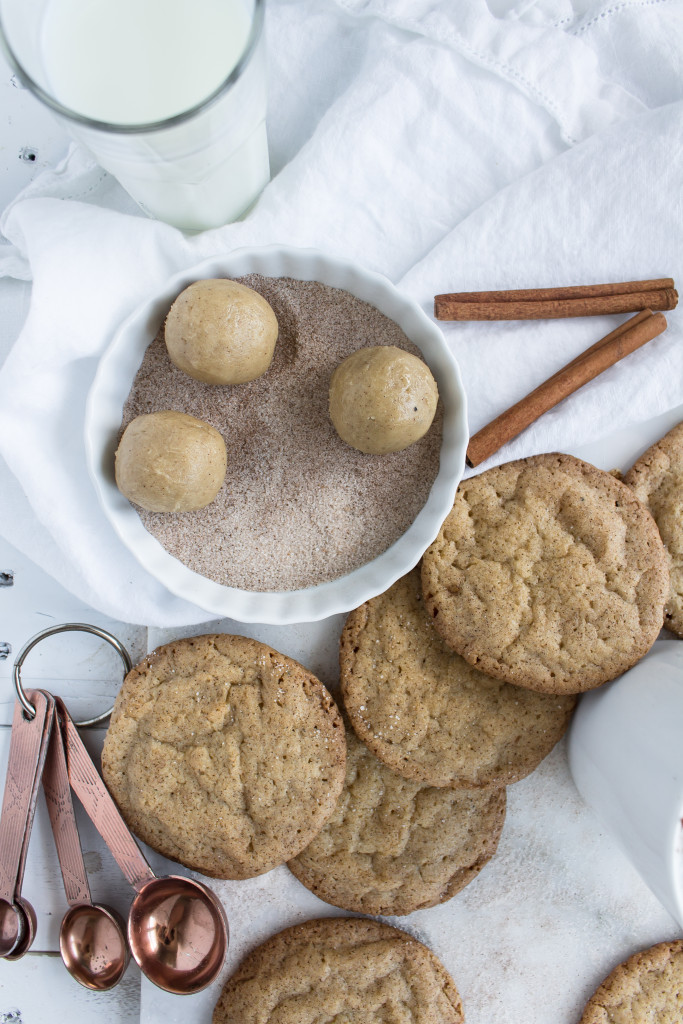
657,480
393,845
645,989
224,754
346,970
427,713
547,573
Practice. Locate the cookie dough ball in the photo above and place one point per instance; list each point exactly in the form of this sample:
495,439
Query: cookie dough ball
221,332
382,399
170,462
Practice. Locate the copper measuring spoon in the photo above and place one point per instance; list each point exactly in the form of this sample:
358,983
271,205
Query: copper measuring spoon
28,747
31,727
177,928
92,938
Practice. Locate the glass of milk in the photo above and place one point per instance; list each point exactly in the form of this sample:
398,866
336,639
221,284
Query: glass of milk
168,95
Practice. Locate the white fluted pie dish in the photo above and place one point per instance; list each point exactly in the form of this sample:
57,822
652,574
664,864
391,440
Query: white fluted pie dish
115,376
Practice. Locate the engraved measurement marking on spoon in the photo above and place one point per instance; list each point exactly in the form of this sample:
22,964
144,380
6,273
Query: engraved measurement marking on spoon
92,939
27,751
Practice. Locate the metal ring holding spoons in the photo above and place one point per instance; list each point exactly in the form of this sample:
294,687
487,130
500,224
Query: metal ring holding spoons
67,627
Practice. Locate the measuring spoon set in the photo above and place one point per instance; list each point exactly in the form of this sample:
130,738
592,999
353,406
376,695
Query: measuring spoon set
177,930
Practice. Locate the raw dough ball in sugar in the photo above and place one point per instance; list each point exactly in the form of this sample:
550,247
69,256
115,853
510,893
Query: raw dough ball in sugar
221,332
170,462
382,399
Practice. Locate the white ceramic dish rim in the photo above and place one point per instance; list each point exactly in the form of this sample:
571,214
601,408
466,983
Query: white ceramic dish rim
114,377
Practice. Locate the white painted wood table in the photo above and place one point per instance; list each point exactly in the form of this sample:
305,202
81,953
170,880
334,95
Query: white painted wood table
527,941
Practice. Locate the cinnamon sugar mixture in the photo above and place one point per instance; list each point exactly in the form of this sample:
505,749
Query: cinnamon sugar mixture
298,506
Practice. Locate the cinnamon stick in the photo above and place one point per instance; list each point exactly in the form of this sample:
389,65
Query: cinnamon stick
599,357
553,303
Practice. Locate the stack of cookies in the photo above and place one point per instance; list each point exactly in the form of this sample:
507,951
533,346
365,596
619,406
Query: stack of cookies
435,743
549,577
229,757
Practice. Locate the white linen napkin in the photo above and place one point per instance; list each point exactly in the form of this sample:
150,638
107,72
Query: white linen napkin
483,146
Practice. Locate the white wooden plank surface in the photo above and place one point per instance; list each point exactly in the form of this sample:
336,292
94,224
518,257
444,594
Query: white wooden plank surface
83,669
37,990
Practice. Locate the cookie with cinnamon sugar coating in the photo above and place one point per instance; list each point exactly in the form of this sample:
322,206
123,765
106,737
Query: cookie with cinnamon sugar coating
224,754
344,969
657,480
428,714
547,573
394,845
647,987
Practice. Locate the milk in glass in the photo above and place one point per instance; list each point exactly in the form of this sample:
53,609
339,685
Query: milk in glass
123,66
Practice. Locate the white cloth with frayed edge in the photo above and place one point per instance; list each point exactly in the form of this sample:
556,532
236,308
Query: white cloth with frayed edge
450,147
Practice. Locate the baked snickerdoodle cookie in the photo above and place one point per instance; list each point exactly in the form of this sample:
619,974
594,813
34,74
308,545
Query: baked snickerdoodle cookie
224,754
657,481
547,573
646,989
425,712
393,845
340,969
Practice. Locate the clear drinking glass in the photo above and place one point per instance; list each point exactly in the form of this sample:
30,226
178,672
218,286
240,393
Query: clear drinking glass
168,95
